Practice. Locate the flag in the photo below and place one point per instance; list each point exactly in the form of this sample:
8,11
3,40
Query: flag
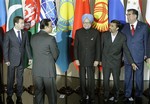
135,4
3,16
101,15
32,14
81,7
14,9
48,10
64,30
116,10
147,15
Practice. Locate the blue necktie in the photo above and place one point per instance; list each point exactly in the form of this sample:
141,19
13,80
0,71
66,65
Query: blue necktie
19,37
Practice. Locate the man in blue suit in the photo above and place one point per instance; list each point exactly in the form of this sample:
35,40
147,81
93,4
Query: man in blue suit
137,35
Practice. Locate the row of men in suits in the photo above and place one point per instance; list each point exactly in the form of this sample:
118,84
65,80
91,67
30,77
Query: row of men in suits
90,49
44,55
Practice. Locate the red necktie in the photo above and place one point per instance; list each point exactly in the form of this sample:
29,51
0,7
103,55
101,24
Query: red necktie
132,29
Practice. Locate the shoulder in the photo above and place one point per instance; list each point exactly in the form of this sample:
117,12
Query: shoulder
95,31
9,32
80,30
126,25
122,36
142,24
105,33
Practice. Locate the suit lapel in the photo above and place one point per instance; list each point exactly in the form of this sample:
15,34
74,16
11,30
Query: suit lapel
116,38
137,30
109,39
22,35
14,36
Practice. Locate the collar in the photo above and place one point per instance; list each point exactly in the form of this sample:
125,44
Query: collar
135,24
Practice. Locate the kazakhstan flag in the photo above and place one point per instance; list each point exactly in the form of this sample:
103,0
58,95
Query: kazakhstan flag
64,29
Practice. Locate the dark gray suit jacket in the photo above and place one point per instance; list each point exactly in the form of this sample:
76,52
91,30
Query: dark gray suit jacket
45,54
112,51
14,51
87,46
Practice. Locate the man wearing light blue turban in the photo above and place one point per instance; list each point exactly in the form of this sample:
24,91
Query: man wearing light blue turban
87,57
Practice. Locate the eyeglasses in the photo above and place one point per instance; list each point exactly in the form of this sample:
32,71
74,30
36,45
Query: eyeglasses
86,22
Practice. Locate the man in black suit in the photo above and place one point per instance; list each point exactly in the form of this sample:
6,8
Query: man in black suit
15,44
87,56
113,46
45,54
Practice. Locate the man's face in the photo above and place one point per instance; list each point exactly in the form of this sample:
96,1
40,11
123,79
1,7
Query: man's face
49,27
20,24
113,28
86,24
131,17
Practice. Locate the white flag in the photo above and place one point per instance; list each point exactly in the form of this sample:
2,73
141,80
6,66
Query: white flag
135,4
147,12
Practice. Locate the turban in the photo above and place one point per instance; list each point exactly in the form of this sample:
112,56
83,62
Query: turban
88,16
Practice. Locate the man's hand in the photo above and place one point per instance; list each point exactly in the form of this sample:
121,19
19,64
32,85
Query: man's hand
77,62
148,60
134,66
96,63
7,63
30,62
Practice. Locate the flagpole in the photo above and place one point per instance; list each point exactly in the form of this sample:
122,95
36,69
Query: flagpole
67,90
147,91
2,82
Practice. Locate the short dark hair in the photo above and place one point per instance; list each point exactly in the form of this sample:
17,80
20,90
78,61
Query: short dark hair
16,19
44,23
118,24
134,11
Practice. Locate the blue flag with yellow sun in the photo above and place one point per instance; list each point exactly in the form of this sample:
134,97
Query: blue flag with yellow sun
64,30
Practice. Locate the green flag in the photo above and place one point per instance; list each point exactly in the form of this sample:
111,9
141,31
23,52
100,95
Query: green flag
14,9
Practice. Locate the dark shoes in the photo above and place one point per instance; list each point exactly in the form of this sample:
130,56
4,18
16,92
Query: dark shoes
126,99
9,100
87,101
106,99
19,100
114,99
82,101
91,101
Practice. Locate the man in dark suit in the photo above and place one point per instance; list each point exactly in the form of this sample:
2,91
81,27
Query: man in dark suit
15,44
45,54
113,46
137,35
87,56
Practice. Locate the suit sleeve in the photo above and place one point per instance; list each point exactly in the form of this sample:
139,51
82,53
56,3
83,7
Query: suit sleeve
146,39
28,47
101,46
76,42
6,47
127,52
98,46
148,47
54,48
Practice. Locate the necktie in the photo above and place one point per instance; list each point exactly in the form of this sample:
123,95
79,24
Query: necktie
19,37
132,29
